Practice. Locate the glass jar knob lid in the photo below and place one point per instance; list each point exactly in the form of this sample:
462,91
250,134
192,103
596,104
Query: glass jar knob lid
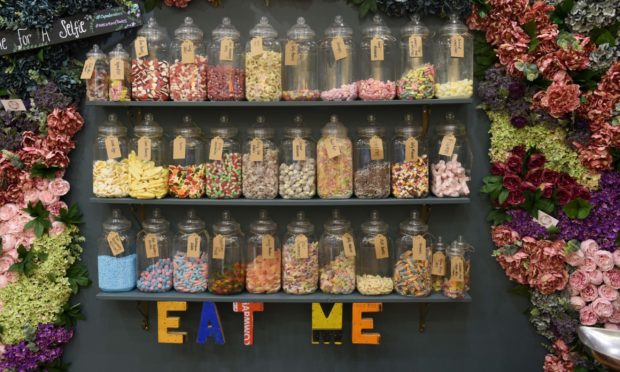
301,31
192,223
156,223
96,53
264,224
338,28
300,225
264,29
414,225
148,127
188,30
225,29
116,222
374,225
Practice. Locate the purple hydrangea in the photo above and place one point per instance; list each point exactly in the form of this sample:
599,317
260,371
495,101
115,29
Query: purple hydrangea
45,347
525,225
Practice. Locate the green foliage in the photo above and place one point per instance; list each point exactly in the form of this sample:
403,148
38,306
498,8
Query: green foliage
78,277
70,315
484,55
577,208
561,12
365,6
71,216
587,79
44,171
605,35
41,222
27,261
498,216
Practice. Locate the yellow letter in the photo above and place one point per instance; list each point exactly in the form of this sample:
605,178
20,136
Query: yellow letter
164,323
326,329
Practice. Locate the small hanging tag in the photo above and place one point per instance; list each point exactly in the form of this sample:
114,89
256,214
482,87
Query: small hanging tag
299,149
219,247
301,246
457,267
339,48
216,148
117,69
256,150
381,247
13,105
291,53
419,248
332,147
151,246
376,148
193,245
376,49
447,145
178,148
141,47
115,243
227,48
415,46
268,246
411,149
439,264
457,46
256,46
348,244
89,67
188,54
144,148
112,147
546,220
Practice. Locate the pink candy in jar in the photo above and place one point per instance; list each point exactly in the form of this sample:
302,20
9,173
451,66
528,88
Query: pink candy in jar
449,178
376,90
188,81
149,80
225,83
346,92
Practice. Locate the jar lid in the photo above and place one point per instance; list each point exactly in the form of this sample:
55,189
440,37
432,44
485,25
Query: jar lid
96,53
112,127
414,225
148,127
414,27
409,128
264,29
119,52
453,26
264,224
192,223
450,125
372,129
116,222
227,225
462,244
298,130
455,249
338,28
224,130
156,223
376,27
374,225
188,30
259,129
153,31
188,128
300,225
337,224
301,31
334,127
225,29
440,245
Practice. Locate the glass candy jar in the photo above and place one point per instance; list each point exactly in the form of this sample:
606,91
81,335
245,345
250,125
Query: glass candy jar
190,249
412,272
374,266
149,64
300,262
337,256
454,281
186,168
372,165
298,166
154,263
377,56
337,63
468,250
417,73
438,271
264,256
226,74
263,64
334,161
300,64
223,168
97,82
188,58
117,260
226,264
454,61
120,84
409,161
260,162
451,160
148,174
110,168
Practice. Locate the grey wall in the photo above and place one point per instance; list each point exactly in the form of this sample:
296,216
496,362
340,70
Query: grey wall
489,334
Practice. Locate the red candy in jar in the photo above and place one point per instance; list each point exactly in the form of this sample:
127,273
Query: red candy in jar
149,65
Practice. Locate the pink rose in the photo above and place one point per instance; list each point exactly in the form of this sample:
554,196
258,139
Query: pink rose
595,277
55,208
41,184
616,255
589,293
31,196
559,99
59,187
12,253
573,292
587,316
607,292
575,259
57,228
589,264
47,197
8,242
589,247
612,278
616,303
503,235
604,260
577,302
578,280
602,308
8,211
5,263
615,317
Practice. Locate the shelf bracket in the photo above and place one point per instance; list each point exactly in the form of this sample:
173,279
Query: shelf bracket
143,309
425,213
426,117
424,310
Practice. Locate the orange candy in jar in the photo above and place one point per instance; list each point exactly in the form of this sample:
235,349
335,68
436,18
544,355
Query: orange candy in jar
264,256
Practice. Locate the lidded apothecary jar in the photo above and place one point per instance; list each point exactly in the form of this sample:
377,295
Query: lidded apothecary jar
190,254
468,250
300,80
337,63
337,256
148,173
417,73
374,264
188,58
372,165
226,264
226,73
120,84
264,256
451,159
223,168
149,64
412,272
97,82
117,261
298,162
110,169
454,281
454,60
154,243
300,262
260,162
438,271
378,52
186,167
410,166
263,63
334,161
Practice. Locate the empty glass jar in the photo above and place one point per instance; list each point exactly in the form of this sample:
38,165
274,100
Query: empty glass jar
260,162
372,165
264,256
412,272
149,65
300,64
337,63
298,166
409,161
334,161
300,262
186,168
374,264
97,83
154,245
110,168
377,57
451,159
226,75
263,63
148,174
417,73
120,85
337,256
226,264
117,262
223,168
188,58
190,248
454,60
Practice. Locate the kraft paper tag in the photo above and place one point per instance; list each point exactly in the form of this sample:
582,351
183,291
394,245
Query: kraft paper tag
457,269
381,247
178,148
193,245
218,247
227,48
457,46
151,246
256,150
447,145
376,49
188,54
411,149
291,53
348,244
115,243
13,105
268,246
332,147
546,220
256,45
419,248
87,70
339,48
216,148
439,264
117,69
112,147
376,148
141,47
415,46
144,148
299,149
301,246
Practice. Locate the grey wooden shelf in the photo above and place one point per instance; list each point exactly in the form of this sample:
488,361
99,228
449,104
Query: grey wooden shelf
280,297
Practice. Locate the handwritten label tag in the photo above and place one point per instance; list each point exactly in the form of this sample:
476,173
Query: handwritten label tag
256,46
13,105
419,248
227,48
268,246
376,148
381,247
216,148
457,269
291,53
348,244
178,148
457,46
151,246
188,54
415,46
115,243
112,147
332,148
411,149
219,244
301,246
339,48
299,149
439,264
89,67
447,145
546,220
193,245
141,47
117,69
376,49
144,148
256,150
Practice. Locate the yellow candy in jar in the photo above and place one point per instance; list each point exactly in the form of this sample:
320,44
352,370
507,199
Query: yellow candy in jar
110,178
455,89
146,180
